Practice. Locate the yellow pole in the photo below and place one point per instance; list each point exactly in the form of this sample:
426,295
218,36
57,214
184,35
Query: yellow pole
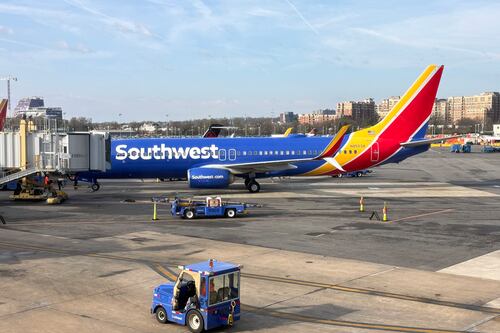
384,211
362,204
23,136
155,215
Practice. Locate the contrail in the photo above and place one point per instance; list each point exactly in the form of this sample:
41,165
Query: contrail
303,18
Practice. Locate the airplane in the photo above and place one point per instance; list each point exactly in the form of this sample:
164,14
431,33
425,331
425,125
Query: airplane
3,112
216,162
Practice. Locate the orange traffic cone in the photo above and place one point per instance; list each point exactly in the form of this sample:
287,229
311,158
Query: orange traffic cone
361,204
384,212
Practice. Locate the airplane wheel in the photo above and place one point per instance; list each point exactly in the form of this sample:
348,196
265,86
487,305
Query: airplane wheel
195,321
359,174
161,315
95,187
189,214
253,186
230,213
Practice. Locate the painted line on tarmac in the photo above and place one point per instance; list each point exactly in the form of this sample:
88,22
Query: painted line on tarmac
344,323
422,215
267,278
373,293
164,271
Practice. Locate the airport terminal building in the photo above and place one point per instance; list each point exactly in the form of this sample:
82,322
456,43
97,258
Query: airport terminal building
35,107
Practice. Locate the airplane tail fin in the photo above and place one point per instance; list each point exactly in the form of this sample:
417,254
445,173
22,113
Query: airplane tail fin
213,131
3,113
409,118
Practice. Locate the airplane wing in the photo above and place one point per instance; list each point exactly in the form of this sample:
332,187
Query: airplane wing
285,164
427,141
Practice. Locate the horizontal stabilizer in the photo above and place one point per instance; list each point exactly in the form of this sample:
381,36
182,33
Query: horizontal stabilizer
428,141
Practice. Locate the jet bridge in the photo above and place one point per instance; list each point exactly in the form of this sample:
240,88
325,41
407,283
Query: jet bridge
30,151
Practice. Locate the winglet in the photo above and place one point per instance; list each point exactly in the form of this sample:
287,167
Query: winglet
288,132
335,144
3,112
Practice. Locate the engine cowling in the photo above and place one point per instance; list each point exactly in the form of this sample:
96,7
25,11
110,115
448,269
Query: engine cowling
209,178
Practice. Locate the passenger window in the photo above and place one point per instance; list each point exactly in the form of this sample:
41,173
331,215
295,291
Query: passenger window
350,151
281,152
345,151
275,152
260,152
265,152
288,152
270,152
255,152
293,152
244,153
250,153
355,151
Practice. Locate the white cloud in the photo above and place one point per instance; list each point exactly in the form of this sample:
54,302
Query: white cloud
78,48
6,30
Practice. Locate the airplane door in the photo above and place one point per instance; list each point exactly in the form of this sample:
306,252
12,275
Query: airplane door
232,154
222,154
375,152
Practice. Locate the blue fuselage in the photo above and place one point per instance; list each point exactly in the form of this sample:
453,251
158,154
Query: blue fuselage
173,157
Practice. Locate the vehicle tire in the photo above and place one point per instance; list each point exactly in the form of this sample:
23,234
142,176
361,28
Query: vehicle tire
95,187
194,321
161,315
253,186
231,213
189,214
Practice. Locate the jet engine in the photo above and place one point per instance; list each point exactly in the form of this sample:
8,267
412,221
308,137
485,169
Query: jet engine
209,178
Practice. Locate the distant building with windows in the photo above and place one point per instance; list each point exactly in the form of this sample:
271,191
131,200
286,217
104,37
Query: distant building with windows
35,107
317,117
287,117
386,105
149,127
482,108
357,110
440,109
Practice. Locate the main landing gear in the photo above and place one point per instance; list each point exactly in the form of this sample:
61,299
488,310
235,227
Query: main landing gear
252,185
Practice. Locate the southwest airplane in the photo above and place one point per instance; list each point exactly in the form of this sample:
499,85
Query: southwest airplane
216,162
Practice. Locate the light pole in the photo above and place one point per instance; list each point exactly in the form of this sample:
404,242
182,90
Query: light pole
166,132
8,79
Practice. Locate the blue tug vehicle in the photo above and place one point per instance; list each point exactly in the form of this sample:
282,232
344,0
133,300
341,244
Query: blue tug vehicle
210,207
206,295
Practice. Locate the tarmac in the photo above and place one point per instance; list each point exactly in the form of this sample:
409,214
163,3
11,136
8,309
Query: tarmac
311,260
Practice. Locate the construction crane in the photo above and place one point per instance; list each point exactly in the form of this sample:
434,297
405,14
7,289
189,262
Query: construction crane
8,79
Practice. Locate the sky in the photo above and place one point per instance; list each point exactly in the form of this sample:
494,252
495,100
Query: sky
173,60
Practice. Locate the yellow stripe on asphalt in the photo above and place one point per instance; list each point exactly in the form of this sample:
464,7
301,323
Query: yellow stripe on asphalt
344,323
373,293
165,272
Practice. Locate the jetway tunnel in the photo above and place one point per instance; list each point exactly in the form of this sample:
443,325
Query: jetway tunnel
30,151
